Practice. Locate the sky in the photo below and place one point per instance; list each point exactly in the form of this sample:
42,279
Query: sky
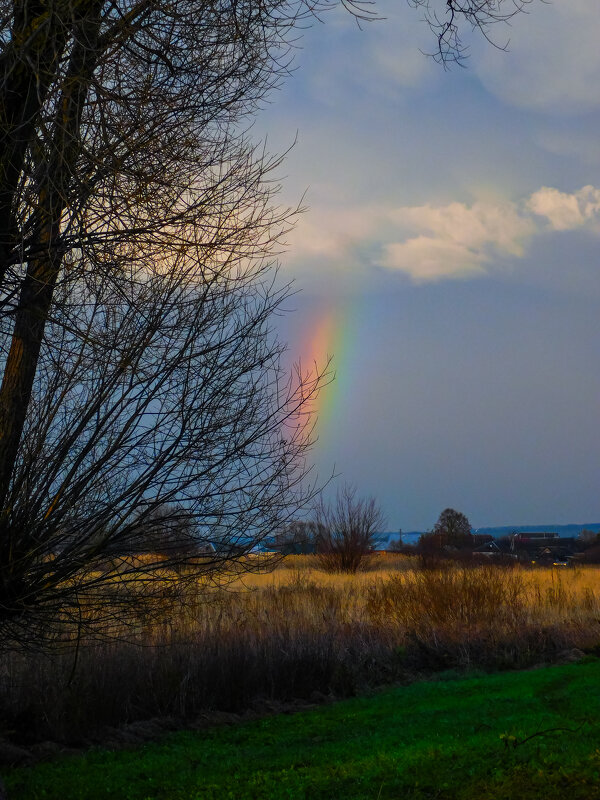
447,261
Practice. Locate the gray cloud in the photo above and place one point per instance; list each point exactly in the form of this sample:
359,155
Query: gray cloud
553,59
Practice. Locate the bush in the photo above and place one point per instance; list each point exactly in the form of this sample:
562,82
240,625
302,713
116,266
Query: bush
348,531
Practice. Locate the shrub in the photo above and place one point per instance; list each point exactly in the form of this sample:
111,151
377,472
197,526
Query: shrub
348,531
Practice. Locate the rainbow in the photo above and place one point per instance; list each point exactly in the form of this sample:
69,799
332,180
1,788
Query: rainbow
330,336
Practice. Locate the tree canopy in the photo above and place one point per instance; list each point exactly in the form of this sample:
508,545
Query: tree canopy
453,526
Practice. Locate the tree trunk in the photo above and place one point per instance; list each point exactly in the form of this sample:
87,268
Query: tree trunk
21,363
43,267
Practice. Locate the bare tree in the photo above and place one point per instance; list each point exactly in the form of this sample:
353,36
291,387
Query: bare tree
137,243
112,120
137,239
446,18
159,402
350,531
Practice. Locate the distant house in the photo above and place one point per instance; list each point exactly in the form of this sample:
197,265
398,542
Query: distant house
534,538
496,549
539,547
488,548
543,547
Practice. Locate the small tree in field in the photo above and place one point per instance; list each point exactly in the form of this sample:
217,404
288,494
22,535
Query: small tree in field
453,528
348,531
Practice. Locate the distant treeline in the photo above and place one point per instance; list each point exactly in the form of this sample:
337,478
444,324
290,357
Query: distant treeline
410,537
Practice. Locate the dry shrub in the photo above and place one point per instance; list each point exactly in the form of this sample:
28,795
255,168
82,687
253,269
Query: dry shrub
295,634
222,651
458,597
485,615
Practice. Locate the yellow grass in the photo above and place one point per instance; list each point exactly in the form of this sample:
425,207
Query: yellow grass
295,630
553,590
394,593
394,602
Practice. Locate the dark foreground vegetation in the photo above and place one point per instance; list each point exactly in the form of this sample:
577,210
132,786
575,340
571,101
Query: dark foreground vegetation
296,634
523,735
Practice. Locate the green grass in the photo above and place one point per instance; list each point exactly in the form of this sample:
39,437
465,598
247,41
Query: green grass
446,739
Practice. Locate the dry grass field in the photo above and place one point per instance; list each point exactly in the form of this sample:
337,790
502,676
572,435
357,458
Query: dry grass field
299,634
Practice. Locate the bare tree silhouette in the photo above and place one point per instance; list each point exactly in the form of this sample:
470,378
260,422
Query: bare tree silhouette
447,19
137,242
350,529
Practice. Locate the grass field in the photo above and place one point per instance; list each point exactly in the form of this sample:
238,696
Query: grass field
521,736
296,631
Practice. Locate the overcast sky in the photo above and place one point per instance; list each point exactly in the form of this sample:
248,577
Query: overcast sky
448,261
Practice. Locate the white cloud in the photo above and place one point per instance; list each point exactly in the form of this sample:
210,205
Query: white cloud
431,243
456,240
567,211
424,259
333,233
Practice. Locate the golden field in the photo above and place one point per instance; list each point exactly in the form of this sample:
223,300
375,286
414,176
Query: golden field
295,633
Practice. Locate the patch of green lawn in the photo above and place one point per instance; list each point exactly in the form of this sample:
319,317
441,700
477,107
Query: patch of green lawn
456,739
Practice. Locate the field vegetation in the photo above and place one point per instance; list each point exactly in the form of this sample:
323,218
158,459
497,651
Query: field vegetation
524,735
295,633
